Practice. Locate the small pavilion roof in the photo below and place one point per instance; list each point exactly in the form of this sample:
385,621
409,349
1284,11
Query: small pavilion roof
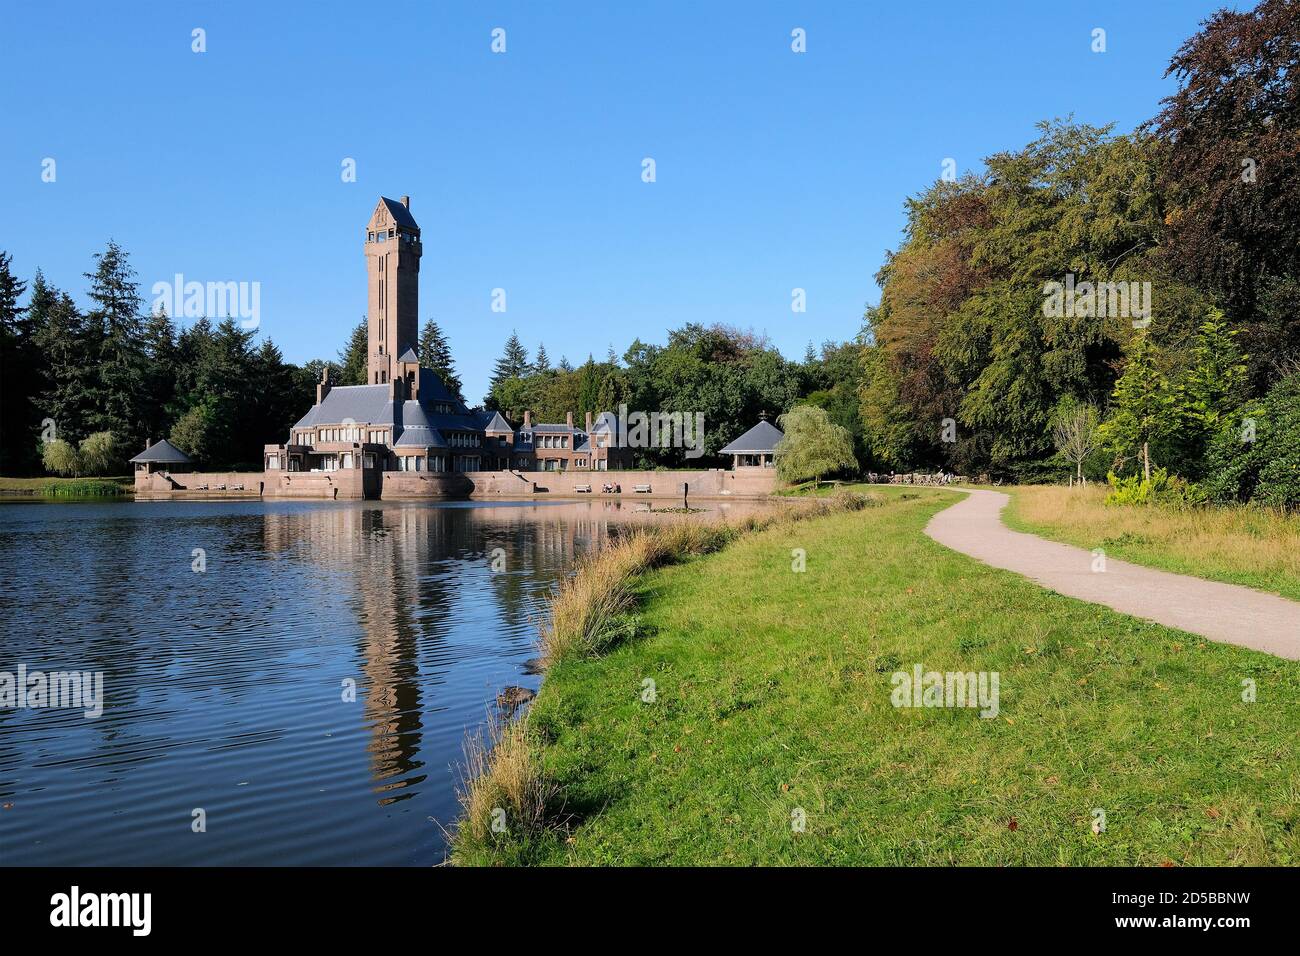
162,453
759,440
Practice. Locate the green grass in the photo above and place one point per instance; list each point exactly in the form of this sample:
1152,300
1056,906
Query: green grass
1248,545
773,696
48,487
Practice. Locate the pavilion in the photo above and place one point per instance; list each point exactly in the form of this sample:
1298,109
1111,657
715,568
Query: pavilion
755,448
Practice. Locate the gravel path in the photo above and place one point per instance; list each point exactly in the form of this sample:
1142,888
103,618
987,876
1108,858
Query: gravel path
1227,613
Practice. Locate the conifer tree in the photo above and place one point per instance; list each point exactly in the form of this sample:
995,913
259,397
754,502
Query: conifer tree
435,353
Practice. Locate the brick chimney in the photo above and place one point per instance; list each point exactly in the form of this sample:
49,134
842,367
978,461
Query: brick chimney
568,419
406,201
323,388
528,418
588,423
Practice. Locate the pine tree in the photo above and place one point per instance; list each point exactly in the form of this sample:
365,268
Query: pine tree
114,320
435,354
543,362
1144,409
611,357
512,364
564,365
354,359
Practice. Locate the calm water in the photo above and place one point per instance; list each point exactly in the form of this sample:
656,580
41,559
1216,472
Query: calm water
223,690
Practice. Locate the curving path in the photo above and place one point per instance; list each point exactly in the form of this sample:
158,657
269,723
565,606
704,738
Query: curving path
1227,613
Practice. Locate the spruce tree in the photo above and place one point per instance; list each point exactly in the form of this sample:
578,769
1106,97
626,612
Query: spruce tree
564,365
160,375
354,359
435,354
543,361
513,362
119,364
65,344
17,357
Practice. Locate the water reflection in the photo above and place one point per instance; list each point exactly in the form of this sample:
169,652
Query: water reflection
225,690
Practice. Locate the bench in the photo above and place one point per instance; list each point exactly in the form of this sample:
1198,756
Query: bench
582,489
641,489
236,487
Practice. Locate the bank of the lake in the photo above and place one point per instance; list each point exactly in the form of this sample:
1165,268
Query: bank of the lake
770,737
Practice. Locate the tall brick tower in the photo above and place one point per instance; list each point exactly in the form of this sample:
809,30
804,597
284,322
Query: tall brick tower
393,265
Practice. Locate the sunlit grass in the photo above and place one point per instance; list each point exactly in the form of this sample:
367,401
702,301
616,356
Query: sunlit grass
771,695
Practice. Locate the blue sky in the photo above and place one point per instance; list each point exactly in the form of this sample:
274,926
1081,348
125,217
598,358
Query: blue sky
775,170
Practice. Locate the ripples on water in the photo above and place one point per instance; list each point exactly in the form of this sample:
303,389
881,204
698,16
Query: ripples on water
223,689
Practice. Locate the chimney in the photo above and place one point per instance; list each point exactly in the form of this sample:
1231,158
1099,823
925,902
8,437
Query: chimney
588,423
406,201
568,419
528,418
323,388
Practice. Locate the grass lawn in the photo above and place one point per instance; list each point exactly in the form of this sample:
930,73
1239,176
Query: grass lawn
69,487
1253,546
772,699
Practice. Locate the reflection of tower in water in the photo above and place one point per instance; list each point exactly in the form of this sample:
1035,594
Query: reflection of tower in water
411,575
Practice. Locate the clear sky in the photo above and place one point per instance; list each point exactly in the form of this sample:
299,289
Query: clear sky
774,170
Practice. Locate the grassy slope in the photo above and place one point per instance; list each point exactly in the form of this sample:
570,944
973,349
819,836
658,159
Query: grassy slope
1252,546
773,694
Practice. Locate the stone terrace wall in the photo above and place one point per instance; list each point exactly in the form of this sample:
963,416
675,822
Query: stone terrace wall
711,483
220,484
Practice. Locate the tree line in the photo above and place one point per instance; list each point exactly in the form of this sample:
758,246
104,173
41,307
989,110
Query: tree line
1138,293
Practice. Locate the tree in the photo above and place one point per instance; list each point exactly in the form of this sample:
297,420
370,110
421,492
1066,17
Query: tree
512,364
435,354
1075,434
117,357
354,359
68,347
159,393
813,446
1231,134
564,365
543,362
19,366
61,457
101,454
1144,406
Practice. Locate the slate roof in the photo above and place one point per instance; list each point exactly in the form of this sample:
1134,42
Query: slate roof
401,215
494,422
409,356
761,439
162,453
363,404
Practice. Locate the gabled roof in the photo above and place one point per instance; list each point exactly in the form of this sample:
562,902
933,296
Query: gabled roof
162,453
401,215
605,421
409,356
496,423
759,440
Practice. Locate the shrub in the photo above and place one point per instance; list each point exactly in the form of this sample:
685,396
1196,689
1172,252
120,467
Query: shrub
1161,488
1256,456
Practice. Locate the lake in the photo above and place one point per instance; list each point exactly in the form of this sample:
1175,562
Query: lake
226,671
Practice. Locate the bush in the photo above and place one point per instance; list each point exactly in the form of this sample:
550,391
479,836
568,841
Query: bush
1256,457
1161,488
61,458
